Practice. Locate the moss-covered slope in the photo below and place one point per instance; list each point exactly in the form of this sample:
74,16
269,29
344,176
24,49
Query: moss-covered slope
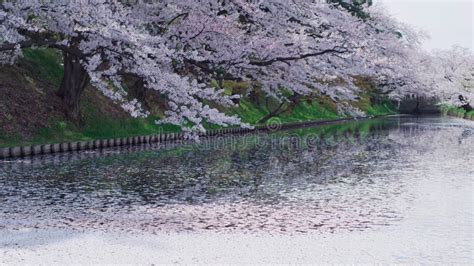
31,113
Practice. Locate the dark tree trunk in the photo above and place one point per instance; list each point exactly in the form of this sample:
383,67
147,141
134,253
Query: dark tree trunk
141,92
467,107
74,82
417,108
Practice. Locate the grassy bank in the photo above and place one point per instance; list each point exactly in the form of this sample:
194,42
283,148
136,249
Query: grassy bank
39,74
457,112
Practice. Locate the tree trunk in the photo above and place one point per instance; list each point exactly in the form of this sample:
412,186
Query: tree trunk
74,82
141,92
417,108
467,107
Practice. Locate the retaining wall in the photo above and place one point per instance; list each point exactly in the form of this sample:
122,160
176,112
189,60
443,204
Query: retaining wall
26,151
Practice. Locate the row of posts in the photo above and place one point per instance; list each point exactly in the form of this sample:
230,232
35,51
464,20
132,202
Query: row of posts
26,151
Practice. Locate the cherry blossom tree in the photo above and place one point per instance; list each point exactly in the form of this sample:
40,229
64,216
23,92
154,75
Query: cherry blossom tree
443,75
308,47
454,75
178,48
101,41
403,68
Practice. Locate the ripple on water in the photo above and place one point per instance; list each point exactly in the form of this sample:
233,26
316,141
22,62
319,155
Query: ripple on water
366,179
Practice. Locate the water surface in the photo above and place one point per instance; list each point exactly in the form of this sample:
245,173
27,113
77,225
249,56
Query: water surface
408,175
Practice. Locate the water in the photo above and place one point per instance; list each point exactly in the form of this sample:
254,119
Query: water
408,176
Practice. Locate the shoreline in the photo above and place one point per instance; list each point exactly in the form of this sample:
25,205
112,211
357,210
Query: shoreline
98,144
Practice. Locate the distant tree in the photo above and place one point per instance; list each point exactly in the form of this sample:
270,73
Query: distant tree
454,75
355,7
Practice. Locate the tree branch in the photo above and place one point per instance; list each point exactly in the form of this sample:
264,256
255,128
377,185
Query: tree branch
295,58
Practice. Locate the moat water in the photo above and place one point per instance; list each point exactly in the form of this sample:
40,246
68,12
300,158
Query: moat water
407,176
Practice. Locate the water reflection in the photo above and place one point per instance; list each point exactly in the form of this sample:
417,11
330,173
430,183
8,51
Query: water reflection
353,176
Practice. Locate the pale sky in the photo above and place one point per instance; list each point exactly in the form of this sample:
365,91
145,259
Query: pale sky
448,22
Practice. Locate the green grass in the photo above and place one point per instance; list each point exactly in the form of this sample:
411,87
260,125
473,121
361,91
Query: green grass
98,125
371,107
100,128
470,115
47,62
305,111
381,109
455,111
10,140
249,112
